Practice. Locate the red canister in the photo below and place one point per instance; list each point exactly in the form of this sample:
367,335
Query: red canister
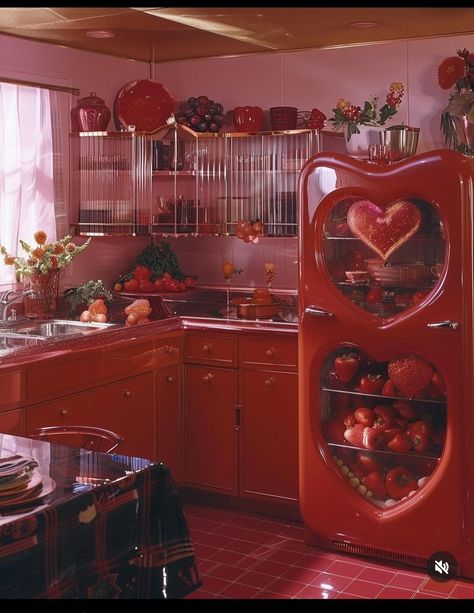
90,114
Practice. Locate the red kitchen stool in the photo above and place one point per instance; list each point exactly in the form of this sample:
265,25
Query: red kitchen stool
90,438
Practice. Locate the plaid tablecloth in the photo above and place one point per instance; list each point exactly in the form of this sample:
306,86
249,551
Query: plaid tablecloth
126,537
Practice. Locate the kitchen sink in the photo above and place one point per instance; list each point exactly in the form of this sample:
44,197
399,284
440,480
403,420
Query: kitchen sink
51,328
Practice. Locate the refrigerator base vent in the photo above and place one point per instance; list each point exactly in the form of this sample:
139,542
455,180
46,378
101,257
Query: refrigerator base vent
375,552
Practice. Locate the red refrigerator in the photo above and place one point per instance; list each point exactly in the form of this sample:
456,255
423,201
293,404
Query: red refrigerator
386,372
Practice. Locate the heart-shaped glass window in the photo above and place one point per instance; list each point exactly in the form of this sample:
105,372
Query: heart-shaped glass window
384,259
383,422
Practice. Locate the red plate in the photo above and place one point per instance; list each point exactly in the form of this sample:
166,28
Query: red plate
144,104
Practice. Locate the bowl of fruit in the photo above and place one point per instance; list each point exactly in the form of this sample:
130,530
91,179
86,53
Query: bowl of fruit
201,114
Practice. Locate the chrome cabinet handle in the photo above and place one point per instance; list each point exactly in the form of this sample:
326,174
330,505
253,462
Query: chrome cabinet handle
444,325
270,382
315,311
207,347
169,379
270,353
238,417
64,412
208,378
128,393
169,350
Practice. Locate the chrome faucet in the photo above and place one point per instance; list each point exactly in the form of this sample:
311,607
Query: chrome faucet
5,302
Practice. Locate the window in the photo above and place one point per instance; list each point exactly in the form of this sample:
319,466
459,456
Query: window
27,185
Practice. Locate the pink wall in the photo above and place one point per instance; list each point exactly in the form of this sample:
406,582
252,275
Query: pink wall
305,79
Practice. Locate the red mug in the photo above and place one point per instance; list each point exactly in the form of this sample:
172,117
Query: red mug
248,118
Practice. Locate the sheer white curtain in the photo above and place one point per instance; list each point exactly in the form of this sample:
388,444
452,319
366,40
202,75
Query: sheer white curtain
26,169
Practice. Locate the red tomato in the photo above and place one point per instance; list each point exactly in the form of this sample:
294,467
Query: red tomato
190,282
142,272
159,285
131,285
146,286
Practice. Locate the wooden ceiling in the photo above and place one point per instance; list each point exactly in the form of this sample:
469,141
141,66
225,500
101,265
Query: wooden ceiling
165,34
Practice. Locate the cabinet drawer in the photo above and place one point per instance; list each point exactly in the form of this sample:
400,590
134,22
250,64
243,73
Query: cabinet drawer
216,349
168,352
71,410
269,350
12,386
62,377
10,422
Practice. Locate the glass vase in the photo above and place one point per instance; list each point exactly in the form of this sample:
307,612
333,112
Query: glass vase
42,301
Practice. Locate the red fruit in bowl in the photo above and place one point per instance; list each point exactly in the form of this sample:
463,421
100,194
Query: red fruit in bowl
317,118
367,462
364,415
400,443
389,389
346,366
354,435
400,482
373,438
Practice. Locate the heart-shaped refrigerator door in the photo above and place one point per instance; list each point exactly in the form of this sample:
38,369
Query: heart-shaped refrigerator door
384,423
384,257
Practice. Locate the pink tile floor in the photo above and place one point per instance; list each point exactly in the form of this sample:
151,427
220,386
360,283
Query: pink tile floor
242,555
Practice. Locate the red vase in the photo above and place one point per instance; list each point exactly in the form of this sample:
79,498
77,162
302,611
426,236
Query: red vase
90,115
248,118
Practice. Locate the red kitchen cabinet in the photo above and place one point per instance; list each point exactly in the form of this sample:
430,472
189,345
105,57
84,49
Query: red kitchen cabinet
10,422
268,438
126,407
210,435
168,419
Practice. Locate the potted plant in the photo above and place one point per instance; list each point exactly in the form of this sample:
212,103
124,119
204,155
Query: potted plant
85,294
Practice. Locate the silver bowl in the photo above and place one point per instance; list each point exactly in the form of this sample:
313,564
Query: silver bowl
402,140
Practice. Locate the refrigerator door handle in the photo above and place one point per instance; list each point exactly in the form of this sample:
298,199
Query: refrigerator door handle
315,311
449,324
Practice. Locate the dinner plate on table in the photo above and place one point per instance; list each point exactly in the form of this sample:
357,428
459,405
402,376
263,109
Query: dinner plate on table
144,104
37,487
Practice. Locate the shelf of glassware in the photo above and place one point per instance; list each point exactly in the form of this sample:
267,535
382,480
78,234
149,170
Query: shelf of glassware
110,183
215,180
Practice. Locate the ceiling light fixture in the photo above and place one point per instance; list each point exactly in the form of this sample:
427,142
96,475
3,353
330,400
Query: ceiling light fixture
364,24
100,34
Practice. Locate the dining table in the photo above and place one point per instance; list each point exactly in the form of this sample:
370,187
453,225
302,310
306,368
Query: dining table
95,526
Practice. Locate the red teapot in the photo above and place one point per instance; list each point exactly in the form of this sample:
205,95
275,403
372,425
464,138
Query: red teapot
248,118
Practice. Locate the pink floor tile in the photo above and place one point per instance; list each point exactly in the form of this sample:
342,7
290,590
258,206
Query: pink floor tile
376,575
363,588
318,593
245,555
345,569
239,590
407,582
287,587
395,593
225,571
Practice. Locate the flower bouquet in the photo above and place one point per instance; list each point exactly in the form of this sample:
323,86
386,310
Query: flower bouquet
457,119
349,117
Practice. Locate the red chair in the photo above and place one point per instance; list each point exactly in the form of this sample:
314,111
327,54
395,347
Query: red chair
90,438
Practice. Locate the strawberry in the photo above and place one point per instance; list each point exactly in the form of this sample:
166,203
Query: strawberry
371,383
354,435
389,389
364,415
375,482
400,443
384,415
350,421
346,366
373,438
405,410
391,433
438,382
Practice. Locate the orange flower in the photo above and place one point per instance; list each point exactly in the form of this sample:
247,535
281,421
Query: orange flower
9,259
40,237
58,248
70,247
54,261
449,71
38,253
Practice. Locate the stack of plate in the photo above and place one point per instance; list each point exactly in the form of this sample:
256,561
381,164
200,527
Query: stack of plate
20,482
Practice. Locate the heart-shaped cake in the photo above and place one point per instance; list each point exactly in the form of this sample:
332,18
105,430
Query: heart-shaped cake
384,230
410,373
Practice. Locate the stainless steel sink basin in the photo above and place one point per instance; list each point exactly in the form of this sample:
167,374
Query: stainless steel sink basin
51,328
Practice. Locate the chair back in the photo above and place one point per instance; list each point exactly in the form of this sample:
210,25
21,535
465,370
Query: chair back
90,438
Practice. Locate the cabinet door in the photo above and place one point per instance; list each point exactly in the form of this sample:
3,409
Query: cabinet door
10,422
126,407
73,410
268,444
210,438
168,421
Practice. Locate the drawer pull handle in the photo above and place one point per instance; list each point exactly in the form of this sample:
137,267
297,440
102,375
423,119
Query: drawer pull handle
270,353
169,350
64,412
207,347
208,378
128,393
169,379
270,382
